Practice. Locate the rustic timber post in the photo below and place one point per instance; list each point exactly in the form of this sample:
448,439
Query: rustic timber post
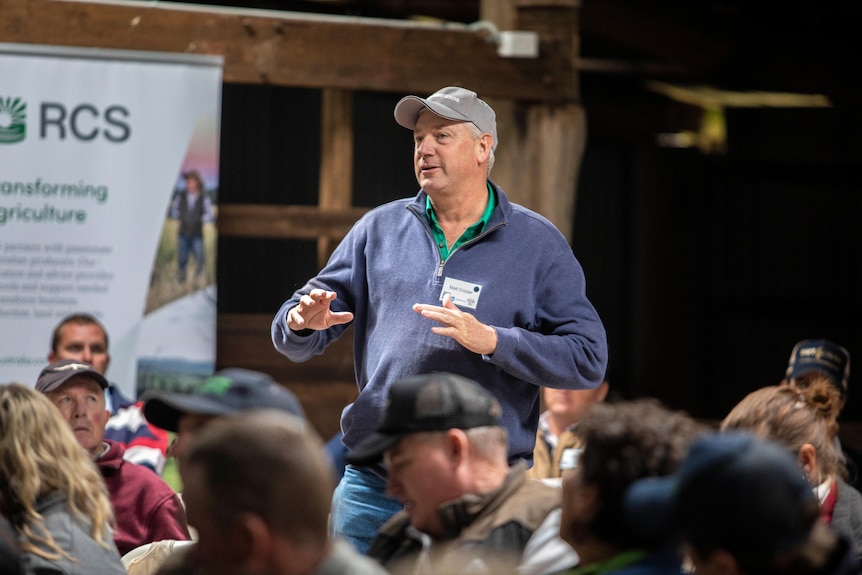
336,160
542,141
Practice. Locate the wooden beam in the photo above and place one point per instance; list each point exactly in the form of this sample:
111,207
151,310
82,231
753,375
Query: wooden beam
542,142
301,222
293,49
336,160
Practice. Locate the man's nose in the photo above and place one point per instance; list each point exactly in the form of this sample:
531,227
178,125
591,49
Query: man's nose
424,147
79,408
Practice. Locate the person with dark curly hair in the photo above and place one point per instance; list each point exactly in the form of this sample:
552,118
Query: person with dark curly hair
804,420
623,442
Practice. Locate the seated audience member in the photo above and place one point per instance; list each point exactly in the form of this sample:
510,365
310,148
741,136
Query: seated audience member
51,492
145,507
230,390
800,419
815,358
10,553
557,444
465,509
258,490
623,442
742,507
82,337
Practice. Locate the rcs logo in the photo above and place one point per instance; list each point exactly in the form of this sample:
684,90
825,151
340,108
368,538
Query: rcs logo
13,125
84,122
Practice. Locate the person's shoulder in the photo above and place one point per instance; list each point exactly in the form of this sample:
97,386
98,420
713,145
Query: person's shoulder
386,209
849,493
530,217
528,223
535,499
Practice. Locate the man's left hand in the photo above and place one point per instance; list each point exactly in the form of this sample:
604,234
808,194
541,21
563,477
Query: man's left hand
461,326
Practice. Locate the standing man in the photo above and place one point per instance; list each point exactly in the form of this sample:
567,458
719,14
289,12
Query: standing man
82,337
146,509
193,209
457,279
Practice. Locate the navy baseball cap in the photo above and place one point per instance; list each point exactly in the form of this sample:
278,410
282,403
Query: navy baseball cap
56,374
823,356
430,402
228,391
733,491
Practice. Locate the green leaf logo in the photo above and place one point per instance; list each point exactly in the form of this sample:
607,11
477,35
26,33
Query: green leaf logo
13,120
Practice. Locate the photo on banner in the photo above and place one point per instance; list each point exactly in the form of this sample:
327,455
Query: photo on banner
108,194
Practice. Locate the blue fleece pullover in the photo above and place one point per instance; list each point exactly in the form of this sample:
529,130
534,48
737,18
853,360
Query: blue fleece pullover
532,291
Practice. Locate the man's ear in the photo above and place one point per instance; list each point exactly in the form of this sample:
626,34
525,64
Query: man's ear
602,391
456,445
254,543
807,459
52,357
487,145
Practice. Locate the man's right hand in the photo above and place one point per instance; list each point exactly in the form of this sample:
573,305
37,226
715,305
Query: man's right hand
312,312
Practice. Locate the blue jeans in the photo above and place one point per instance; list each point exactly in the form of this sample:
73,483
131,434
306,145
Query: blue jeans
360,506
195,245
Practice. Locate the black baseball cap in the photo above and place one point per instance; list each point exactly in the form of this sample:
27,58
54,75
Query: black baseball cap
228,391
823,356
429,402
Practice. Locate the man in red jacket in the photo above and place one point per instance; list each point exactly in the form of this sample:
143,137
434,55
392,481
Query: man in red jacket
82,337
146,509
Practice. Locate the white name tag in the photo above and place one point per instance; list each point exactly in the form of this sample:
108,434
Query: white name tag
461,293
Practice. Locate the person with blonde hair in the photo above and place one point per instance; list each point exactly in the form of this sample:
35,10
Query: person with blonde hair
804,421
146,508
51,491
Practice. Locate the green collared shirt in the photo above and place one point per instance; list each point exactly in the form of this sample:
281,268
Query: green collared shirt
470,233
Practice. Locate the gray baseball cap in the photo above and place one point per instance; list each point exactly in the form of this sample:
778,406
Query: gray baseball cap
452,103
56,374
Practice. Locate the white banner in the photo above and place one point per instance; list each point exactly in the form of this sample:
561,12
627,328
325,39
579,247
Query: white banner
94,147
